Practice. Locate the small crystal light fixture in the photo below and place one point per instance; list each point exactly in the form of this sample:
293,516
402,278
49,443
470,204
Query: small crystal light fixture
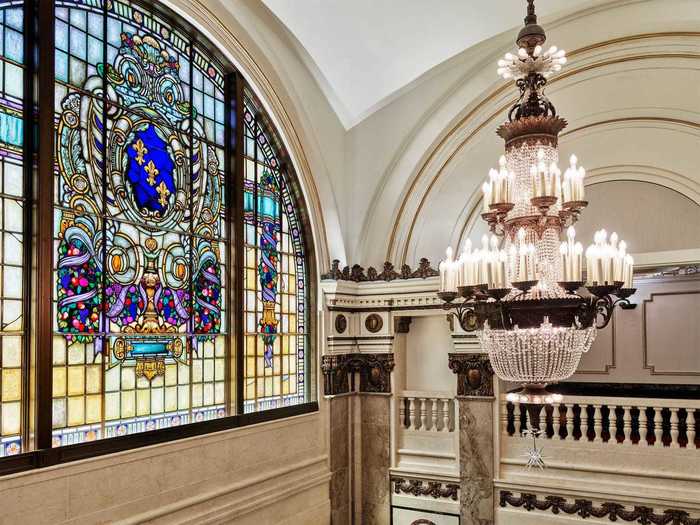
523,288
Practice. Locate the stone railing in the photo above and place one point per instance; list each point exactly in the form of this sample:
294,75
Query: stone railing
426,411
633,421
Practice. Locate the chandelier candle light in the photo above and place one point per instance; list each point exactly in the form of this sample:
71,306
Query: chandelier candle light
524,290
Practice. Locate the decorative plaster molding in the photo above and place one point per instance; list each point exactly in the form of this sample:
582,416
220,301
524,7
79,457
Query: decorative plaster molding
652,367
357,272
419,487
339,373
586,509
399,242
613,357
673,271
474,374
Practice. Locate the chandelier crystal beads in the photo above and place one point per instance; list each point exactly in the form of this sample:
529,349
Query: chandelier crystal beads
523,290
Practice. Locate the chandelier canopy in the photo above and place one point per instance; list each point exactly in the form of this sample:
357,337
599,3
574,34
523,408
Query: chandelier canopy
523,289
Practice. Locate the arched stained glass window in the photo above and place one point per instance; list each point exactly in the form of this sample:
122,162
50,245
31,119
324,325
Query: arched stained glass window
13,332
275,279
140,225
166,277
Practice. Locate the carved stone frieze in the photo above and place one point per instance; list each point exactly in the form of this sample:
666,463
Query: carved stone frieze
587,509
335,374
419,487
474,374
339,372
357,273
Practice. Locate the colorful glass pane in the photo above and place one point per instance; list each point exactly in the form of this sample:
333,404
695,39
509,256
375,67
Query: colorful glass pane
12,239
140,328
274,274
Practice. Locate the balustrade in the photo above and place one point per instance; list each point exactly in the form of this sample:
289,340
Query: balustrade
627,421
427,411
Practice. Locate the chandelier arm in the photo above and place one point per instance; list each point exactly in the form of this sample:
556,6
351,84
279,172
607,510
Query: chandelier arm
625,303
604,307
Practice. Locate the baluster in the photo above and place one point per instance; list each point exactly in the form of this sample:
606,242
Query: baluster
423,413
690,426
516,419
504,417
627,425
412,413
434,415
569,421
658,427
597,424
402,411
643,425
674,428
556,421
445,415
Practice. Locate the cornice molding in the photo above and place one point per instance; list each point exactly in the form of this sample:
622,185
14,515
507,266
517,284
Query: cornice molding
357,274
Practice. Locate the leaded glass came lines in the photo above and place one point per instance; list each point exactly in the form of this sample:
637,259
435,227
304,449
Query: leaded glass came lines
140,327
12,202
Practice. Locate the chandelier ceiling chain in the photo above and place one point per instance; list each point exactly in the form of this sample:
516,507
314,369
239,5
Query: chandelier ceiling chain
523,290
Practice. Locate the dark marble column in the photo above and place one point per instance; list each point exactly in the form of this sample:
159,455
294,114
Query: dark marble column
476,454
375,459
340,489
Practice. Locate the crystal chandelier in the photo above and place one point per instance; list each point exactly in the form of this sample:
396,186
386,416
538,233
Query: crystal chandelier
523,289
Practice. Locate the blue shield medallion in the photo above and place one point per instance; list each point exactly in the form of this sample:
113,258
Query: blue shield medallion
150,171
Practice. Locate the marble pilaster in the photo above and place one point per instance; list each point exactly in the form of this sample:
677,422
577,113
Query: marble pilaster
375,459
340,487
476,461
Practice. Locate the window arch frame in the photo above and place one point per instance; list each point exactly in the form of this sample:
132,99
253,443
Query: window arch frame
39,145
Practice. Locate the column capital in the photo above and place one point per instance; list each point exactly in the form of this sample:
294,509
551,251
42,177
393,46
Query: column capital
474,374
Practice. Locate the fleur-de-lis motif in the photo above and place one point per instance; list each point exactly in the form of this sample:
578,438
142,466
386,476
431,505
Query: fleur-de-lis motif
152,172
163,191
140,149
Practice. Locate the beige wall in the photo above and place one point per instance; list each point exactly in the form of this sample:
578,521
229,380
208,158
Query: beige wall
272,473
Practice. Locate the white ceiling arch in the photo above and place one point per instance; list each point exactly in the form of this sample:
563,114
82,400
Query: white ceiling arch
364,53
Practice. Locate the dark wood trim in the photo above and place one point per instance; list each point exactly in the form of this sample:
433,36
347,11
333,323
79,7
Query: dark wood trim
586,508
44,203
29,118
53,456
232,306
238,239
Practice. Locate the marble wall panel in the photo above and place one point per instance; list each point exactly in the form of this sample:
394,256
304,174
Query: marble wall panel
375,459
476,461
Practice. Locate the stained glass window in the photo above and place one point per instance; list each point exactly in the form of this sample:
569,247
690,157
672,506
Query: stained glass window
275,281
12,239
141,240
146,119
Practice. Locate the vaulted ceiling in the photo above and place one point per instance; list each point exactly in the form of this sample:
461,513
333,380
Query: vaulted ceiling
364,52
